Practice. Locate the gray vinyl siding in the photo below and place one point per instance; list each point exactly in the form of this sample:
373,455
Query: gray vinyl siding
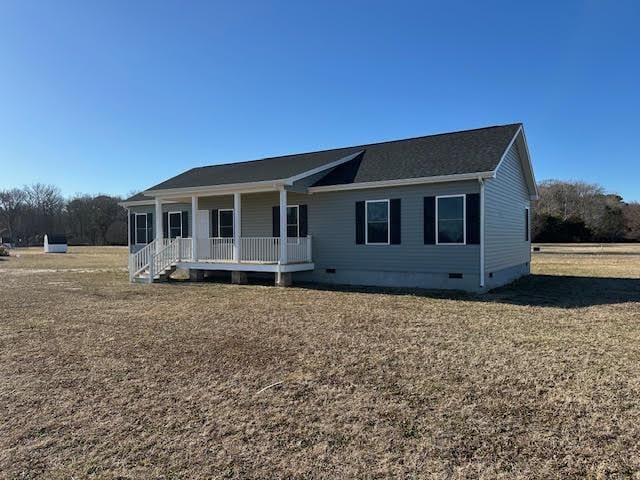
506,197
215,203
256,213
331,223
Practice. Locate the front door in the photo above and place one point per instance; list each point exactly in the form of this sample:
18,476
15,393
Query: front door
202,233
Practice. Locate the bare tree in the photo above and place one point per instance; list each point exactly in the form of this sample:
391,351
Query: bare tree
631,212
579,202
12,202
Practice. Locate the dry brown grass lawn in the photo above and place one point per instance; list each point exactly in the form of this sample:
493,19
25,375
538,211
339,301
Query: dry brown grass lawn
104,379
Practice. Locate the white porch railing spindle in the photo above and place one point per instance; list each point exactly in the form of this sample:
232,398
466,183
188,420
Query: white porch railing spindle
158,255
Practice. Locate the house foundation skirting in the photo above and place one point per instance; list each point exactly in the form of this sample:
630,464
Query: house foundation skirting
239,278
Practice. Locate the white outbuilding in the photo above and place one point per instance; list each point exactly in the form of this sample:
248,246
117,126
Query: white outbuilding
55,243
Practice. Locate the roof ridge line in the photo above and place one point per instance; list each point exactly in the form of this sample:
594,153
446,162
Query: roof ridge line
355,146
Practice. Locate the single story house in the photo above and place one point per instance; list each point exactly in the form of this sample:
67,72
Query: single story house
441,211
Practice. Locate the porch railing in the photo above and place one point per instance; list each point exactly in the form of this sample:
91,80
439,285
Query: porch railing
254,249
185,248
299,250
260,249
139,261
164,257
158,255
221,249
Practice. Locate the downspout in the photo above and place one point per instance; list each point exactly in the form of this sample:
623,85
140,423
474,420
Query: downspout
481,180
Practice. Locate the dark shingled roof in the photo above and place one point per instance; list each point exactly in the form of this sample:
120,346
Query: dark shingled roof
57,238
468,151
138,197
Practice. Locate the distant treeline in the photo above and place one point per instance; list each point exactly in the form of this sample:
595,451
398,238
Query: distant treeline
565,212
583,212
27,214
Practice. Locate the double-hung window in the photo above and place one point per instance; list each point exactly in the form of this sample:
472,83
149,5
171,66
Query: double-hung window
450,220
141,228
377,222
293,222
175,224
225,223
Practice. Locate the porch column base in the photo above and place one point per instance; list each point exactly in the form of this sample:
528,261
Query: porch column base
284,279
196,275
239,278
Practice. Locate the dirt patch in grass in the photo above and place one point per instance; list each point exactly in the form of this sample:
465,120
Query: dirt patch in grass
106,379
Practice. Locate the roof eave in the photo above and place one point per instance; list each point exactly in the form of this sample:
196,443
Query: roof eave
213,190
247,187
526,161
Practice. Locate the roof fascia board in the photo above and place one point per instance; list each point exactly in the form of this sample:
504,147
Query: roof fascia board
313,171
535,194
506,150
224,189
527,162
403,181
138,203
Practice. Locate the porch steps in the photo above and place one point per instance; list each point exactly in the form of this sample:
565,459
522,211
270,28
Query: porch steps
143,277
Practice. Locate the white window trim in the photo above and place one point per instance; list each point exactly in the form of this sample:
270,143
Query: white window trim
366,222
464,218
169,223
233,221
146,228
528,225
297,237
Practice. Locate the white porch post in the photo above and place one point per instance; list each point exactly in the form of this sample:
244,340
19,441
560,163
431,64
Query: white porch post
283,226
194,236
159,232
237,226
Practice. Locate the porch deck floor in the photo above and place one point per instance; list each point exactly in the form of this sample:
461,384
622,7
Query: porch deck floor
247,266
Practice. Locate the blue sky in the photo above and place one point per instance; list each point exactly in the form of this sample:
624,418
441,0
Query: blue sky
115,96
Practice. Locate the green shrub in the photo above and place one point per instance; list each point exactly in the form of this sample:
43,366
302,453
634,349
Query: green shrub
4,251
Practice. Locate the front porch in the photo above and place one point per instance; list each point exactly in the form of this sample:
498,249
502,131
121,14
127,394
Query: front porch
216,240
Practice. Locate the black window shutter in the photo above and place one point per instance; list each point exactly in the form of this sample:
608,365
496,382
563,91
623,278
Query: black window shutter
185,224
165,224
149,227
473,218
526,224
395,221
360,223
302,211
214,223
132,228
429,221
275,221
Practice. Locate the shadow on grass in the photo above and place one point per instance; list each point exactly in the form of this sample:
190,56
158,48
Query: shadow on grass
566,291
533,290
561,291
